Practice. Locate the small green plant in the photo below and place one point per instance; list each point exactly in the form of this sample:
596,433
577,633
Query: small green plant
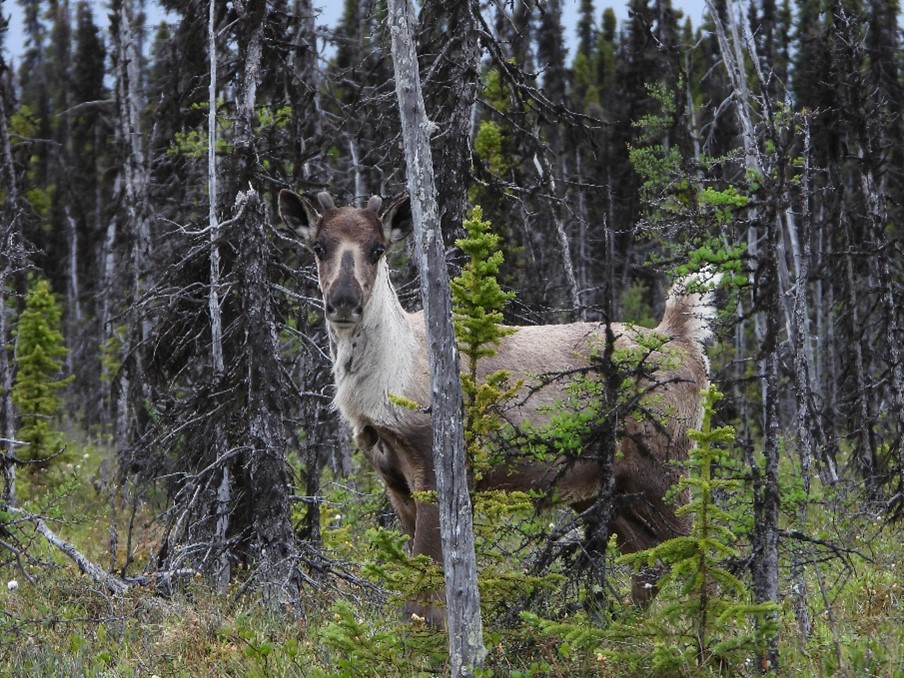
488,145
396,647
406,577
685,210
39,368
702,619
477,301
362,649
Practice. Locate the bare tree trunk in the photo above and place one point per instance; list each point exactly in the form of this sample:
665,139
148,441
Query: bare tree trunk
360,190
73,289
7,413
9,244
869,149
135,181
583,275
266,472
465,626
216,324
546,174
308,113
223,574
766,321
766,537
266,468
111,404
866,445
110,582
7,166
449,93
812,436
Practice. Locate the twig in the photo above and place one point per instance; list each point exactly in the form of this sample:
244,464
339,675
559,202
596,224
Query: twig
18,553
840,551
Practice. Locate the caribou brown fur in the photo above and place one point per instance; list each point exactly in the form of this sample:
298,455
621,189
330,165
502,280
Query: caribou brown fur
379,349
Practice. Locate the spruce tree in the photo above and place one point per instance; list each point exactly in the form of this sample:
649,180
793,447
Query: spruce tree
477,302
38,356
702,619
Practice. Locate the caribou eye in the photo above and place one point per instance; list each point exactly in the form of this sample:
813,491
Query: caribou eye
377,252
318,249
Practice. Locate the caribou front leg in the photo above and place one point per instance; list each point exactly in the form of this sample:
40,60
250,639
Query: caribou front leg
427,542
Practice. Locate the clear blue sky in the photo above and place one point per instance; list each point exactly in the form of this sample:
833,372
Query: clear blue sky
330,13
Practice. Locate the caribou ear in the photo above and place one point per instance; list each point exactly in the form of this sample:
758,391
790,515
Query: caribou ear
397,223
299,214
375,203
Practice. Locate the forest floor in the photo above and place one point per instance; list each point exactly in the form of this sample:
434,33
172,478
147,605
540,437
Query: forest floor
55,621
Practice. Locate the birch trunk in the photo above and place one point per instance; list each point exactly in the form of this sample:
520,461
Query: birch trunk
465,626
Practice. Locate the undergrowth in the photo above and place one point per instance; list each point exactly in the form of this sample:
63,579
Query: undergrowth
55,621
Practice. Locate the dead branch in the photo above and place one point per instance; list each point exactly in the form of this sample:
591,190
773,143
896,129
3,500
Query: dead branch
112,583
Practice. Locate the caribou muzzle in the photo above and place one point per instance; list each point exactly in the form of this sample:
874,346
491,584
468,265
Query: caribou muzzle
344,301
343,305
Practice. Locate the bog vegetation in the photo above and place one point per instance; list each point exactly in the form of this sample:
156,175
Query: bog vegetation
180,498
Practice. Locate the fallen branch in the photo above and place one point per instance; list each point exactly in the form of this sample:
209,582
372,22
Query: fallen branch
111,582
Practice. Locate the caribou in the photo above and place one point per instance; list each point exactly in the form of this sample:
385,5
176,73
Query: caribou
379,350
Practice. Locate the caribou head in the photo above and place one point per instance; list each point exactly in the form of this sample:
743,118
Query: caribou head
349,244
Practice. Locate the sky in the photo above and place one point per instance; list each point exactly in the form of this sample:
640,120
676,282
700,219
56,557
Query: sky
330,11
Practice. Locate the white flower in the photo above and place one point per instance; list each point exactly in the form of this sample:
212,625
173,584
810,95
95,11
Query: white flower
12,585
86,456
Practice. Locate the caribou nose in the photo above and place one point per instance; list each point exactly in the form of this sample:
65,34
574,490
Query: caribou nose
343,305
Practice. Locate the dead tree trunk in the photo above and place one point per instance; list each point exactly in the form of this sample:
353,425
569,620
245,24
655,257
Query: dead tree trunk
464,623
12,258
135,181
766,319
451,31
266,471
225,489
266,475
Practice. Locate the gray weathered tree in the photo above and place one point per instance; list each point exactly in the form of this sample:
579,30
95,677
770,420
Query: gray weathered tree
463,617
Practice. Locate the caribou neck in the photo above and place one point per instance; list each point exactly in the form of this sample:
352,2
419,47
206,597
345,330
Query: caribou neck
374,358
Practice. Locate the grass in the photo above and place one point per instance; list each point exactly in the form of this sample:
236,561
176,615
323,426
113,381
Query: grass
63,624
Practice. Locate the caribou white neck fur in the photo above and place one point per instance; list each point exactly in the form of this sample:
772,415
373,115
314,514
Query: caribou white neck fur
375,358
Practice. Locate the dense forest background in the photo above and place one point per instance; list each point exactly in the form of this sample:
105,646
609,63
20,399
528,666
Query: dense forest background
188,360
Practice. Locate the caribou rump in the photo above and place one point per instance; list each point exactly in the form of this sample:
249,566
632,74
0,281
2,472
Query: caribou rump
379,349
